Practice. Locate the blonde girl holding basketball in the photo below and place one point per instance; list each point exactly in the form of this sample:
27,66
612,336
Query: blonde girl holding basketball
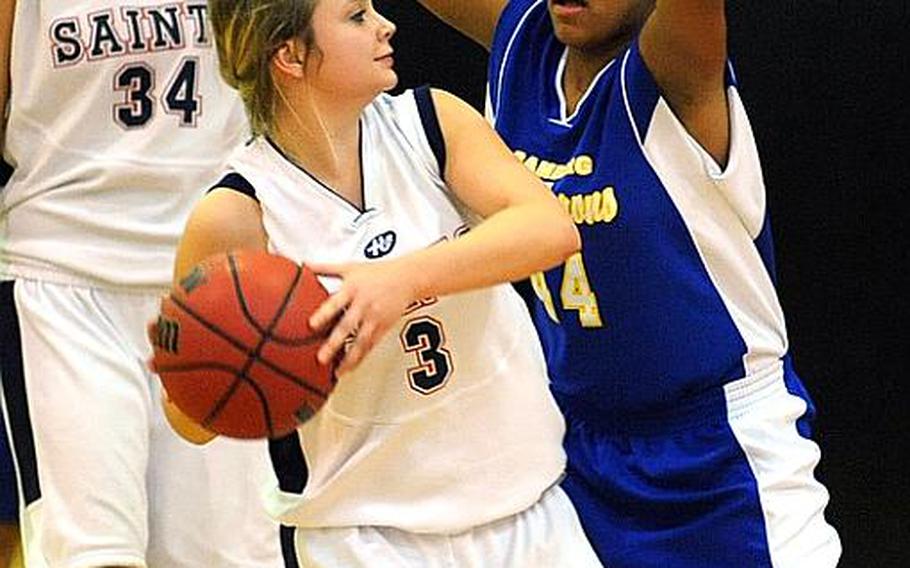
441,444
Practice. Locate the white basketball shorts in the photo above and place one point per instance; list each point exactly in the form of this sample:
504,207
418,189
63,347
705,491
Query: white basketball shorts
103,479
546,535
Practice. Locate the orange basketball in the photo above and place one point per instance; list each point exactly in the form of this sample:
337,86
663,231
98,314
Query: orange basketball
234,348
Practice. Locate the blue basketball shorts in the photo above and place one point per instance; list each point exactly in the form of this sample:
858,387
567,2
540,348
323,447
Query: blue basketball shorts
724,481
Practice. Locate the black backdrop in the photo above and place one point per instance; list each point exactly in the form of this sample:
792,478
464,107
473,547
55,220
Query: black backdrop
820,79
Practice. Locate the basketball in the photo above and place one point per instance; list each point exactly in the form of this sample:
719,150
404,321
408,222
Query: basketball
234,348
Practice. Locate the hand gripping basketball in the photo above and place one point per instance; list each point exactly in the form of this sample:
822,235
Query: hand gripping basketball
234,348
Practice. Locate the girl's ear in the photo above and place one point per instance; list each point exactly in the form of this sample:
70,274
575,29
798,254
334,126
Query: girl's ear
289,58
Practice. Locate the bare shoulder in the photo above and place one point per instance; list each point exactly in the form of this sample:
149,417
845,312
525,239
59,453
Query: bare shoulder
453,111
223,207
465,131
223,220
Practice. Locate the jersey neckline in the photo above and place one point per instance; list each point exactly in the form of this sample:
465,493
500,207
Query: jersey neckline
324,186
564,118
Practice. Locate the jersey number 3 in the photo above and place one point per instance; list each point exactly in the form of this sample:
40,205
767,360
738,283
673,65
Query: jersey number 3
137,82
425,338
575,292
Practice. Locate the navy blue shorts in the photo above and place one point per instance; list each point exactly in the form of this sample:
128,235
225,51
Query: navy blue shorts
724,481
8,497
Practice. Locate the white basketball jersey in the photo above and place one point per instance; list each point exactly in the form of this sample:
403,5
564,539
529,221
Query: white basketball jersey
448,423
118,122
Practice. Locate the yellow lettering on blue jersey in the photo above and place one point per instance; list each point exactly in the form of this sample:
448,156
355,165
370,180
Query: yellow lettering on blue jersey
551,171
596,207
599,206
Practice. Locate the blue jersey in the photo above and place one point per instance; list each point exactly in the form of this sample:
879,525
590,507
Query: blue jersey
672,294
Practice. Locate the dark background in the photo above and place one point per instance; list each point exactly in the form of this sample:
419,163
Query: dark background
820,80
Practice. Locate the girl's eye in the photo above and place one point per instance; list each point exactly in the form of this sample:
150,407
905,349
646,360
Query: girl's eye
360,16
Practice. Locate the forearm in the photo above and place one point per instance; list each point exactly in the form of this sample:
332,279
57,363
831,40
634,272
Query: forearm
507,246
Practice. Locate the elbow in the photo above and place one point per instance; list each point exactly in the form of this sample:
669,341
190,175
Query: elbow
572,239
557,235
566,240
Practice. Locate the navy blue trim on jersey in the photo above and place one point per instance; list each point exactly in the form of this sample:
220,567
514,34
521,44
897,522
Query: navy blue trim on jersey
238,183
289,546
15,397
289,463
9,498
6,171
427,110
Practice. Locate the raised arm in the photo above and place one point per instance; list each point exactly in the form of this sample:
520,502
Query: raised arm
525,229
7,13
684,43
474,18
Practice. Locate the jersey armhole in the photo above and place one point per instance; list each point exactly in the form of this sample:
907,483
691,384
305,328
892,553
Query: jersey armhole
430,120
238,183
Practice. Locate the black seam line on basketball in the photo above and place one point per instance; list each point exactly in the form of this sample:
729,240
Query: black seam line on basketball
264,337
308,340
213,365
240,346
219,406
238,290
240,378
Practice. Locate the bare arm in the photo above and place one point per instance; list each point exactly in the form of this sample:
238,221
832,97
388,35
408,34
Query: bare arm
7,13
524,230
474,18
224,220
684,43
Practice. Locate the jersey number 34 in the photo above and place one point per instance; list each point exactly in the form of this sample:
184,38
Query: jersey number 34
137,82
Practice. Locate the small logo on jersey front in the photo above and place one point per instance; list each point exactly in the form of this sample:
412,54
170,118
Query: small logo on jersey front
381,245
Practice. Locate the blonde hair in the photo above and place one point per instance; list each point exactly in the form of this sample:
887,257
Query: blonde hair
247,35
